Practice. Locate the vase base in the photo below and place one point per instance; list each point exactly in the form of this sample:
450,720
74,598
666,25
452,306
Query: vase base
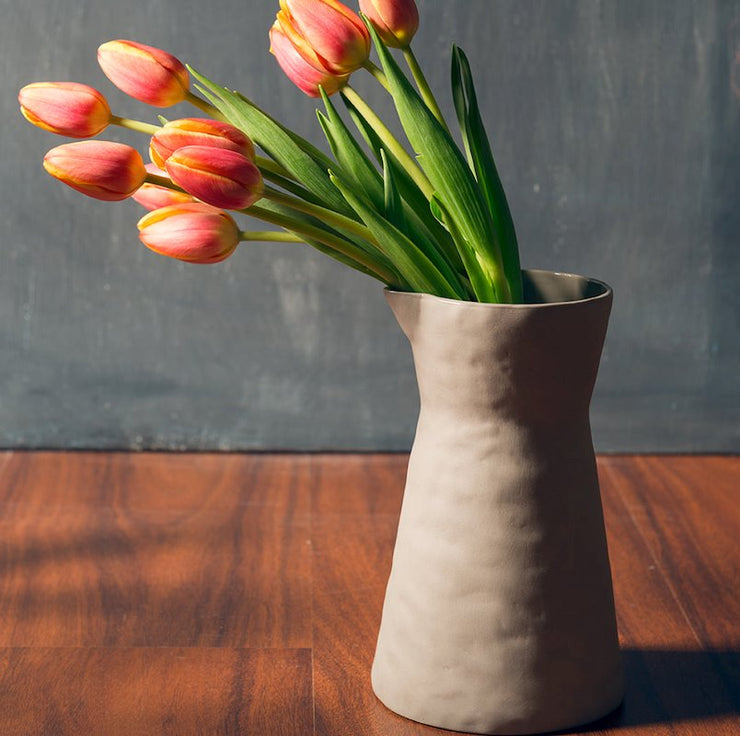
524,727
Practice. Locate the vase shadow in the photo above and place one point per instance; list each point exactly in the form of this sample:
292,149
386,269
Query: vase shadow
668,685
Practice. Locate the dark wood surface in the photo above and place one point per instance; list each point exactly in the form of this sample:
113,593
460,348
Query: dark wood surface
147,594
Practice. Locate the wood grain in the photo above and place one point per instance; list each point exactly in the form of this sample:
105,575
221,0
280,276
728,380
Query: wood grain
146,691
153,550
688,512
241,594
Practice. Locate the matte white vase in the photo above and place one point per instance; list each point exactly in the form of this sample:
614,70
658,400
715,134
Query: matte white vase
499,613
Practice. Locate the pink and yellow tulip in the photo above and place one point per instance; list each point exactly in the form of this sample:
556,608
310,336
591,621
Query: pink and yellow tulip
304,74
99,169
326,33
197,132
396,21
154,196
144,72
220,177
65,108
196,233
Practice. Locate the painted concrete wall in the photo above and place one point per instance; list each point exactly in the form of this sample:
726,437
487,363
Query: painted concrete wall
615,126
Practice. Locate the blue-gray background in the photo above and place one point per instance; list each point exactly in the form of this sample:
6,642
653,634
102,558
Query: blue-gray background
616,130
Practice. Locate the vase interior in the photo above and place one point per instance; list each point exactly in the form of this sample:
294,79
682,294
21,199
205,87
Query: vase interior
549,287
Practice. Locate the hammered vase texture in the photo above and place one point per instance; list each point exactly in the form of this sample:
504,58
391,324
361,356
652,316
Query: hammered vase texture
499,613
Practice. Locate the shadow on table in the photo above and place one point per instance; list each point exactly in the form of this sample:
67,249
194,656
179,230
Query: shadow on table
665,686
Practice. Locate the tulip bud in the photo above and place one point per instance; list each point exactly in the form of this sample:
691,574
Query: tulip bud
197,233
154,196
222,178
145,73
197,132
100,169
65,108
326,33
303,74
396,21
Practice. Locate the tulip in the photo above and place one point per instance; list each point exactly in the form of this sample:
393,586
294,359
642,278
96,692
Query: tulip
307,77
197,132
222,178
197,233
326,33
100,169
154,197
145,73
396,21
65,108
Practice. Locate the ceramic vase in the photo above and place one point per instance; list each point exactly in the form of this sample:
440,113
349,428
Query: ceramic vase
499,613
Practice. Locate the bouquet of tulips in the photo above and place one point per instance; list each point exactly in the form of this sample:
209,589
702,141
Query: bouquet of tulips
427,216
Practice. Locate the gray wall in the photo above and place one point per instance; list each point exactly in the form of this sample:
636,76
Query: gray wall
615,124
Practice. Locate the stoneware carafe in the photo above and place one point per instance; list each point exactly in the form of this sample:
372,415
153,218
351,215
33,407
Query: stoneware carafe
499,613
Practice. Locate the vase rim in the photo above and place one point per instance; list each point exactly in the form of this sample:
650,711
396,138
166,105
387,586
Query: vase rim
606,293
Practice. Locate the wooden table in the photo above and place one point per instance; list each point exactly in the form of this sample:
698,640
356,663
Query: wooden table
148,594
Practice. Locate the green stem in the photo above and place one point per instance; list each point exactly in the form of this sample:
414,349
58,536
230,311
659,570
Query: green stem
201,104
335,243
321,213
378,73
270,236
424,88
300,231
163,181
390,141
136,125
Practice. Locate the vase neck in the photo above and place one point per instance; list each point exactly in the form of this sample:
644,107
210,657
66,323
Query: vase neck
529,363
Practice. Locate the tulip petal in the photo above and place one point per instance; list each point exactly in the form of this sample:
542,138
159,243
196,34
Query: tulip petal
332,30
155,197
300,71
101,169
66,108
217,176
396,21
144,72
195,233
177,134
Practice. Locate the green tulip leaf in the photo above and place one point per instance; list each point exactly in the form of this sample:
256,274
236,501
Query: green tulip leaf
352,159
481,284
393,204
417,205
358,254
410,262
480,158
446,168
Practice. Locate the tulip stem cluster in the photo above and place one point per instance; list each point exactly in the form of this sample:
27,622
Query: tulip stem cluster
335,219
424,215
389,141
334,243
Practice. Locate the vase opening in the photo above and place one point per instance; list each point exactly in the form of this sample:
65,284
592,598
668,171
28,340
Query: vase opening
548,287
